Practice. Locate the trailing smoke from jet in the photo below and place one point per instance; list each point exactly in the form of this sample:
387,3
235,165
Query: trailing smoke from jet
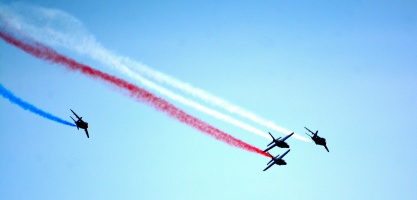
29,107
47,25
43,52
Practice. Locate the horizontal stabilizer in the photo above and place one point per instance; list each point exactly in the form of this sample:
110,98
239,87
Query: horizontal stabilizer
270,161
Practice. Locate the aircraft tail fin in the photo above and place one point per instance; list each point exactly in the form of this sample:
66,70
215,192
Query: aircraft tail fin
271,136
273,139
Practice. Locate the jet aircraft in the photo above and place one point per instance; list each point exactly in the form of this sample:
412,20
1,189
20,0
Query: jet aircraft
276,160
278,142
318,140
81,124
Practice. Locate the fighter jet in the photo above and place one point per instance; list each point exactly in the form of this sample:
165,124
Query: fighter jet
278,142
318,140
80,123
276,160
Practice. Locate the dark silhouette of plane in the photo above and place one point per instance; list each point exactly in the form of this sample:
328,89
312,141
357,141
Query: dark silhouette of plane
278,142
318,140
276,160
80,123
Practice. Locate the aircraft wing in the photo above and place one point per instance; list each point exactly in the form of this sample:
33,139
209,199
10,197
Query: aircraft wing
269,166
86,132
269,148
325,146
286,137
284,154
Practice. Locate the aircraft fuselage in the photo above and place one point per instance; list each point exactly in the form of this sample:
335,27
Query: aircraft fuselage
319,140
280,162
81,124
283,144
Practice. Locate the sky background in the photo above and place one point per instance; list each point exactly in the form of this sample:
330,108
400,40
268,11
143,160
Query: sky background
346,68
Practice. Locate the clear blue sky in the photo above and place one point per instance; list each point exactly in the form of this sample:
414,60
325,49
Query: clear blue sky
346,68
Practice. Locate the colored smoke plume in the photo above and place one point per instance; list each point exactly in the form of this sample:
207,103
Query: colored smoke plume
29,107
43,52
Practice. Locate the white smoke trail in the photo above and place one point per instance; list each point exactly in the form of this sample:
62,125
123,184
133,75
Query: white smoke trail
56,27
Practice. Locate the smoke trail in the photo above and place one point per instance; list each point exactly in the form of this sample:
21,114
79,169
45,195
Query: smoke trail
74,36
43,52
107,58
195,105
27,106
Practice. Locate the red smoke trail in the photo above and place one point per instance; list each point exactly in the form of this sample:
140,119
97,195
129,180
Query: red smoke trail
43,52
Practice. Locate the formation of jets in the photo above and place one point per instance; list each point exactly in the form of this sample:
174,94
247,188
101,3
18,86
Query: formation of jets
80,123
278,160
276,142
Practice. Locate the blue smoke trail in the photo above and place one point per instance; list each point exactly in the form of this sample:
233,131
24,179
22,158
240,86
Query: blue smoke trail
25,105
